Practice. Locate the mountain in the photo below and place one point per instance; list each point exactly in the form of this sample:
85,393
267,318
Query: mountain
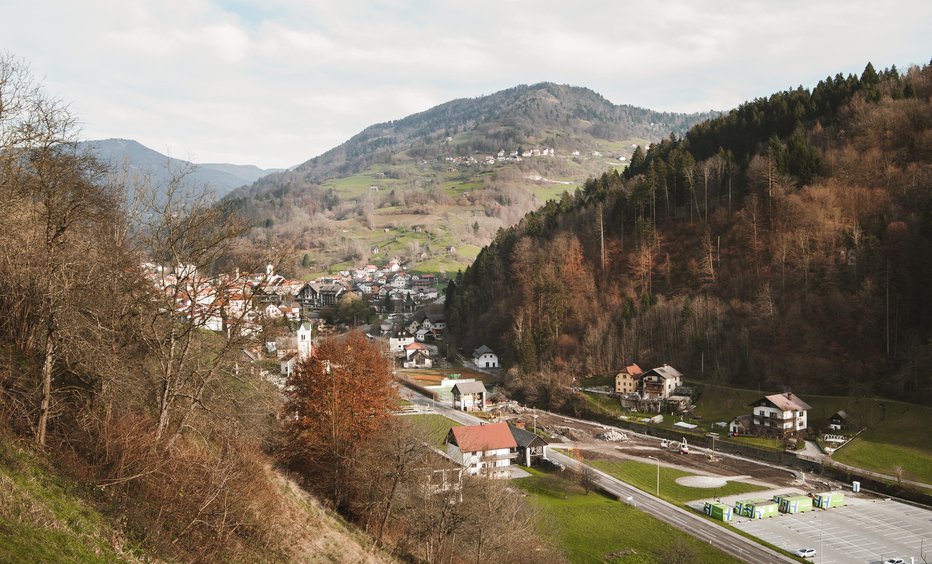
220,178
433,187
784,245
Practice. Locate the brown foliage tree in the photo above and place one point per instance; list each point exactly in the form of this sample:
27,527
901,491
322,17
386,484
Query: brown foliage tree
336,400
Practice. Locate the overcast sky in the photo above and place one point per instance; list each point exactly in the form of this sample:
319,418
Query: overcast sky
276,82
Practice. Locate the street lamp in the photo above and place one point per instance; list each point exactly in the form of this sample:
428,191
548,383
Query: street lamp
658,474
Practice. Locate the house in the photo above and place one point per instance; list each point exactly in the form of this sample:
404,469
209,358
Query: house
398,341
287,364
780,414
272,311
482,449
317,295
531,448
659,383
837,421
483,357
628,381
417,356
740,425
469,396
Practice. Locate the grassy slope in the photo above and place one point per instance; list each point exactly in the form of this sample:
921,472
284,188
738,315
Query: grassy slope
589,527
435,427
43,517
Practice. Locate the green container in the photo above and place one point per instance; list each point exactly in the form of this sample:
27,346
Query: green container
795,504
718,511
828,500
759,509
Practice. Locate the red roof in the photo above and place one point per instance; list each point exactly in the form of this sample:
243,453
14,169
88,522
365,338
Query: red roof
415,346
634,370
475,438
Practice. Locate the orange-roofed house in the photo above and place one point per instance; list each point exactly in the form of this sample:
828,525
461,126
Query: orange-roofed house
628,381
482,449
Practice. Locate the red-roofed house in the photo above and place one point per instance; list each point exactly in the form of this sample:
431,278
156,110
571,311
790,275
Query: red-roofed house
628,380
417,355
482,449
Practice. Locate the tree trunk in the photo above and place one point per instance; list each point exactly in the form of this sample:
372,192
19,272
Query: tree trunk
46,383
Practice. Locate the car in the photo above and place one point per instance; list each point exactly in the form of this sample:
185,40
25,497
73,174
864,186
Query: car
805,553
894,561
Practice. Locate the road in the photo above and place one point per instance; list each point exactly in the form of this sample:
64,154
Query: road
697,526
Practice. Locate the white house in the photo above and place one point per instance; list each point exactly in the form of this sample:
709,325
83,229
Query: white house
287,364
469,396
483,357
659,383
417,356
781,414
482,449
398,341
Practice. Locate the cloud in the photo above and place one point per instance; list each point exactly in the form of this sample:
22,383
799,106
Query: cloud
276,82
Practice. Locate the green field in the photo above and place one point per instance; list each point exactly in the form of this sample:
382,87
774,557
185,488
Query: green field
643,476
434,427
895,435
587,528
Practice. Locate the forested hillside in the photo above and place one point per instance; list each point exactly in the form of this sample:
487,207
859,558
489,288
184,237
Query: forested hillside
787,244
458,172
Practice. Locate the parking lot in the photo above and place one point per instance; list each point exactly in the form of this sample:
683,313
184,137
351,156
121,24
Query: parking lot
863,531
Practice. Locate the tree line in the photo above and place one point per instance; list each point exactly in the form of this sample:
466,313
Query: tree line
782,244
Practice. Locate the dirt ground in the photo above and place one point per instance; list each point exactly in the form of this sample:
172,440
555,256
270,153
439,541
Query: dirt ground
584,436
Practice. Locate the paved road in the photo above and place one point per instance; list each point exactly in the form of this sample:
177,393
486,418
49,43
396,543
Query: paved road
725,540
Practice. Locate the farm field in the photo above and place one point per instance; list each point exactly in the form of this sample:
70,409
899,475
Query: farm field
596,528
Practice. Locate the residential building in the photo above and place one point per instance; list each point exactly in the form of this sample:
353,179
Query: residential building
531,448
628,381
482,449
483,357
780,414
659,383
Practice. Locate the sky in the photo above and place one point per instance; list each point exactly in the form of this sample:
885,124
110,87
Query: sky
276,82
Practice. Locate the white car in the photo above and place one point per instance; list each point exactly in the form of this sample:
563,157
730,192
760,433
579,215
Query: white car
894,561
805,553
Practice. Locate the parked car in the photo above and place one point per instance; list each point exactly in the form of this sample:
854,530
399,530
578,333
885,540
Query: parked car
894,561
805,553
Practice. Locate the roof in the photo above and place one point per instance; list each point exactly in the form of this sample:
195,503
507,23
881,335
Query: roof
633,369
786,402
666,372
841,414
415,346
526,439
469,387
481,351
475,438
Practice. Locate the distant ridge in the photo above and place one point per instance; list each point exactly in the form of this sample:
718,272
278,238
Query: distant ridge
219,178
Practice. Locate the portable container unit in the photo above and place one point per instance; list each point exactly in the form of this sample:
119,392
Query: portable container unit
718,511
827,500
795,504
759,509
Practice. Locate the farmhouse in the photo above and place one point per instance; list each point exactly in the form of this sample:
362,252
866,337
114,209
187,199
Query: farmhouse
483,357
780,414
482,449
659,383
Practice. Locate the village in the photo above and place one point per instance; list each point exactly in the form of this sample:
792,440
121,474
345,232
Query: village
483,433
